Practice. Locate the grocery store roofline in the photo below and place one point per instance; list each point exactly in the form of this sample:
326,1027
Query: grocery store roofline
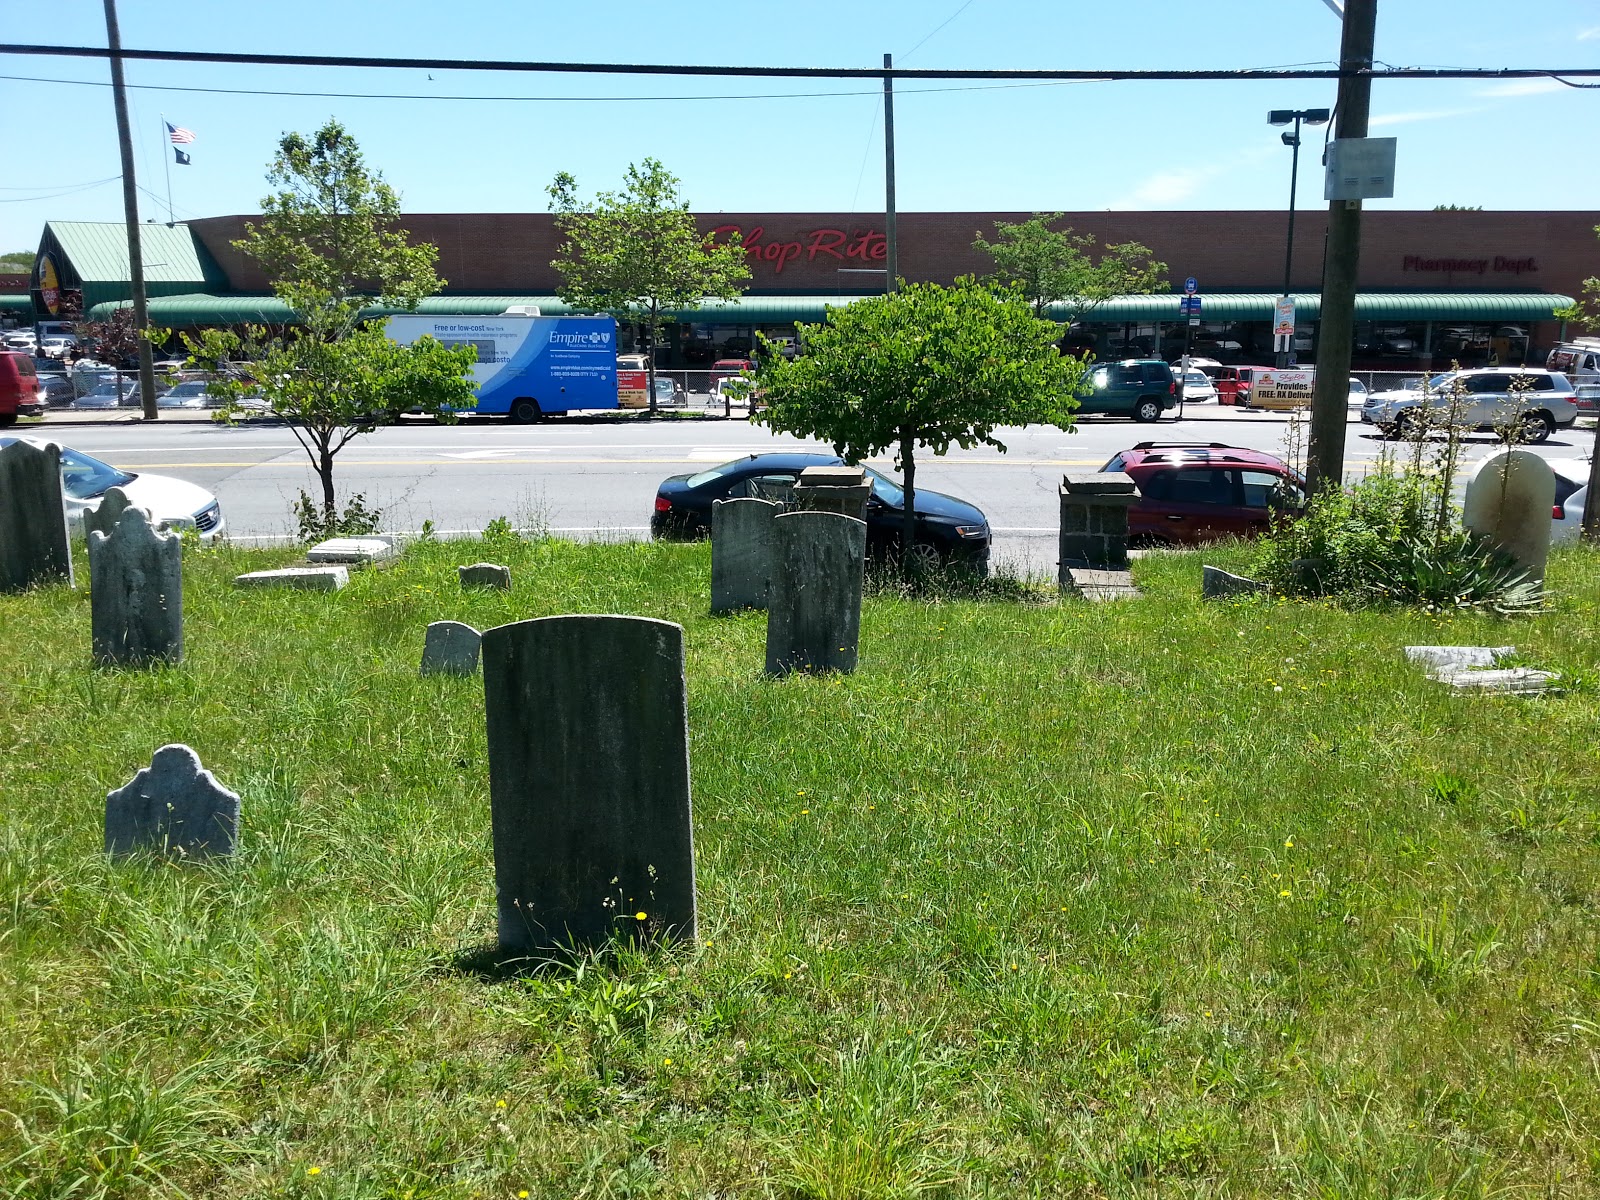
205,308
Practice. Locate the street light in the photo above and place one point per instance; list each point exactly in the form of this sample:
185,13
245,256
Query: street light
1285,116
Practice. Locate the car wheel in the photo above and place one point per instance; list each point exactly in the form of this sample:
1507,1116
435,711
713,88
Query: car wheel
925,558
1409,427
1147,410
6,419
1535,427
524,411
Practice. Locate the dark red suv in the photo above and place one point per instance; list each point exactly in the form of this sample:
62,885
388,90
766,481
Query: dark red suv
1192,492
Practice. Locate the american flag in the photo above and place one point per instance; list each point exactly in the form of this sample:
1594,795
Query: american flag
180,135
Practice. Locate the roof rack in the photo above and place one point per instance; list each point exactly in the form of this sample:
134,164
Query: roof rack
1184,446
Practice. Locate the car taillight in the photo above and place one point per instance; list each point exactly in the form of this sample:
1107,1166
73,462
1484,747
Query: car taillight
1172,388
663,504
1572,399
1557,513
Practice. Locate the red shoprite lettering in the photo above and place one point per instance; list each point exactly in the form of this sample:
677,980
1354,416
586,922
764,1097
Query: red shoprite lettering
864,244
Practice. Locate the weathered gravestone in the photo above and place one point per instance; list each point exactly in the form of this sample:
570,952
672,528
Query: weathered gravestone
175,806
837,489
451,648
305,579
814,601
136,593
741,553
356,551
1217,584
489,575
105,515
589,781
1508,504
33,519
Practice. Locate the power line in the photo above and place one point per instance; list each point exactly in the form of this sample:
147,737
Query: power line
50,187
88,187
929,37
863,73
216,91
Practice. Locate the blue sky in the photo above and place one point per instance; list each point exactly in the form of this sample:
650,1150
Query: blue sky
1521,145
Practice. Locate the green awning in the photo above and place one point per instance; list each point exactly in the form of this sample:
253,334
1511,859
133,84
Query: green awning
204,308
17,306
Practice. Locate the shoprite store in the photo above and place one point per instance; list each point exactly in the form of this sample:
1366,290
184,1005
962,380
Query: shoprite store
1435,286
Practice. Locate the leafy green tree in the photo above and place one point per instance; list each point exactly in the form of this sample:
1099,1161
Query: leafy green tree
17,260
327,239
637,253
925,366
1057,267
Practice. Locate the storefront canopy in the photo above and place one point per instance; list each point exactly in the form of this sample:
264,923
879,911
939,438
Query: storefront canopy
203,308
17,306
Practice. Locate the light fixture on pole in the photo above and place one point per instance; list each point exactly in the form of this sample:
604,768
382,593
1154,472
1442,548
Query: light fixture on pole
1286,116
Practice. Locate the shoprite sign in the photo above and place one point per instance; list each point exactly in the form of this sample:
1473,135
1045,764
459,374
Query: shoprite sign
849,247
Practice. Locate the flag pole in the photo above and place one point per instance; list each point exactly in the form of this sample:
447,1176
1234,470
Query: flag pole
168,163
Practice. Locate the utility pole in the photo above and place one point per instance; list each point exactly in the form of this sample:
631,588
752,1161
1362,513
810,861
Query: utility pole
888,176
1331,400
130,209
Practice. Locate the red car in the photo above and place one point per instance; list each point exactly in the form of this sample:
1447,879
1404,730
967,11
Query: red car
20,391
730,368
1194,492
1233,384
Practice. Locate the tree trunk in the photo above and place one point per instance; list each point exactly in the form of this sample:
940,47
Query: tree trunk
1591,498
330,509
650,358
908,527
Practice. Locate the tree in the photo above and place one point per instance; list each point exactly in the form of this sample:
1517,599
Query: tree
328,241
21,260
637,253
115,340
927,365
1054,266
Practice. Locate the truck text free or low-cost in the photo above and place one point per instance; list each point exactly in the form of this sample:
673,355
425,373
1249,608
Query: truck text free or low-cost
528,366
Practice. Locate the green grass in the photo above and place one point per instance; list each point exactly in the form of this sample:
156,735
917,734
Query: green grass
1147,898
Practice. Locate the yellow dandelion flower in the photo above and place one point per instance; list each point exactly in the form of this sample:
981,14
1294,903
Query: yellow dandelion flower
1284,892
523,1194
1208,1012
641,916
313,1170
1288,843
666,1062
499,1103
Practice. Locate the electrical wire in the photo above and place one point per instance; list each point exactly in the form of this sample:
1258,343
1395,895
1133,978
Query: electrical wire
56,195
936,29
50,187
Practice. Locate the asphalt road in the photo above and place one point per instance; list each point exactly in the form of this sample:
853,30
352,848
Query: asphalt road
598,480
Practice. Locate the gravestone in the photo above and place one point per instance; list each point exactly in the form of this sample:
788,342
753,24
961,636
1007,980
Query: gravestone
1440,658
33,518
175,806
1094,520
450,648
305,579
836,489
489,575
1217,584
589,781
355,551
136,593
741,553
814,601
1508,504
105,515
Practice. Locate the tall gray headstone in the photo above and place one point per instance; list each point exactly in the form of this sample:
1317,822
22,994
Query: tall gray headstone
33,518
589,781
741,553
175,806
136,593
838,489
105,515
1508,504
814,602
450,648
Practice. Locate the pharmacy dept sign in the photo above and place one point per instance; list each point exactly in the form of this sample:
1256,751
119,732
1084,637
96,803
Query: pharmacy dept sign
1282,391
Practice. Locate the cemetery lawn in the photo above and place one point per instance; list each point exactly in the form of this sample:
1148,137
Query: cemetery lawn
1146,898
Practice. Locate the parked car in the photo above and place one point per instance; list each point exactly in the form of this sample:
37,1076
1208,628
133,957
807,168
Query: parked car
58,389
1233,384
108,395
1197,388
1358,393
57,345
1567,516
1206,366
173,502
669,392
731,368
21,394
191,393
1141,388
1194,492
947,529
1486,397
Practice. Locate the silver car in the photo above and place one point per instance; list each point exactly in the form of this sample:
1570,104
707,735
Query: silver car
1539,402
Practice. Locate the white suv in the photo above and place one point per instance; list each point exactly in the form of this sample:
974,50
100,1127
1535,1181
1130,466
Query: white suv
1539,402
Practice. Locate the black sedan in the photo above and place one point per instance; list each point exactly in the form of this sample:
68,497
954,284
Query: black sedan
947,529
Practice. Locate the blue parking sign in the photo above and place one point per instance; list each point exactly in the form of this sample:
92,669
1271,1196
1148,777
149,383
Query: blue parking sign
1190,286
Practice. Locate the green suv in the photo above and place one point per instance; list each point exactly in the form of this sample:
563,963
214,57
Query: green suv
1141,388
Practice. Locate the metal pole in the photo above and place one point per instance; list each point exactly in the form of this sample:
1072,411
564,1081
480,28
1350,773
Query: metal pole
1287,352
890,241
130,209
1330,402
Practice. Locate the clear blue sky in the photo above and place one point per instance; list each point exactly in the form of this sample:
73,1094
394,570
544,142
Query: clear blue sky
1077,147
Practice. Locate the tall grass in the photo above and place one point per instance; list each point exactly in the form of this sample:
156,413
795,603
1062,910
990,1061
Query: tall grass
1047,899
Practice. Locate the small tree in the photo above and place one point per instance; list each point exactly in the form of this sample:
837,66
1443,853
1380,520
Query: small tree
115,340
637,253
1054,266
327,240
927,365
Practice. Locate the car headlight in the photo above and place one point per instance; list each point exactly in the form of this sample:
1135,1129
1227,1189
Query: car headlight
972,531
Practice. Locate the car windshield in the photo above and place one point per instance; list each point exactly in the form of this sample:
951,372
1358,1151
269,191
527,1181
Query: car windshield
1197,377
1440,382
1357,386
707,476
83,477
886,489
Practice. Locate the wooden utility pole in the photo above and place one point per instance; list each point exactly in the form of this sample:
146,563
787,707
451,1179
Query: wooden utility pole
888,178
1330,404
130,209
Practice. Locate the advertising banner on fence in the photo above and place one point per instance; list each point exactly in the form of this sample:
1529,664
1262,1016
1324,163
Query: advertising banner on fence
1282,390
1283,317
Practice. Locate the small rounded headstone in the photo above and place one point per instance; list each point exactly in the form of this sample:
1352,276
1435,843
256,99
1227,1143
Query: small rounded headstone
1508,504
490,575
